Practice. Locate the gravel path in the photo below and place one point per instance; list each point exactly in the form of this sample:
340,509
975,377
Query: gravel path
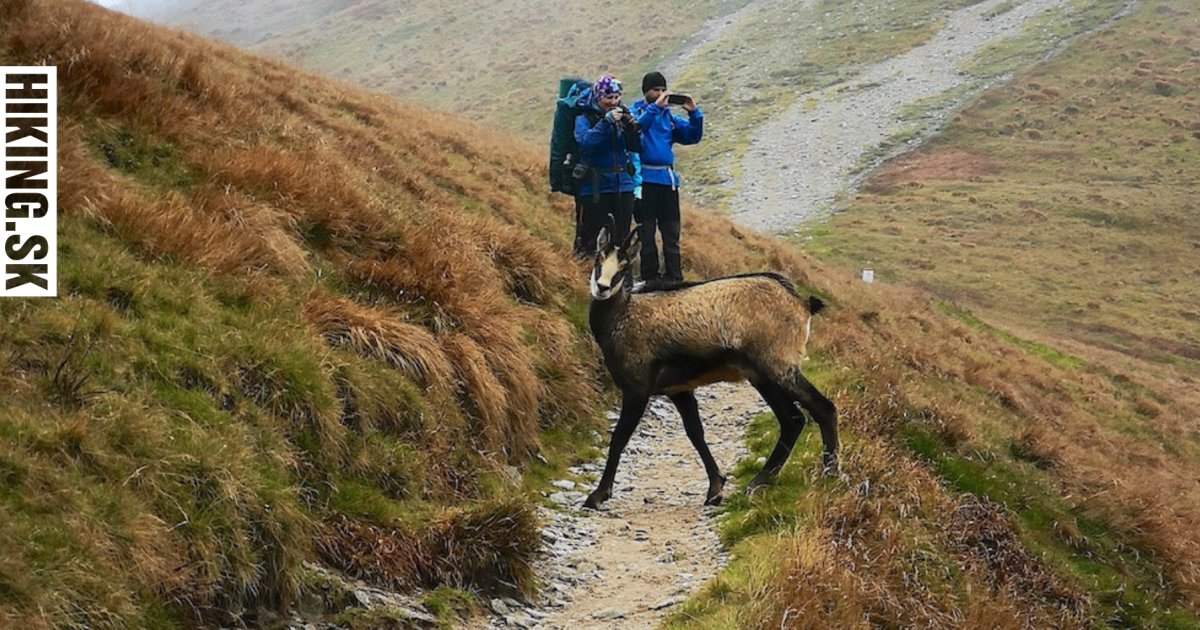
650,546
799,162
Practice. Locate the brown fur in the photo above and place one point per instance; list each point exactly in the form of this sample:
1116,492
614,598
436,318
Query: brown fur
755,316
671,341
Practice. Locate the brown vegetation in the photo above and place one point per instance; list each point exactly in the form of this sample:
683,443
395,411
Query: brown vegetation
1083,243
489,548
403,238
958,164
340,311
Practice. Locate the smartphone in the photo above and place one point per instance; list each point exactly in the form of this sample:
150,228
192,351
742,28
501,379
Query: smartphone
677,99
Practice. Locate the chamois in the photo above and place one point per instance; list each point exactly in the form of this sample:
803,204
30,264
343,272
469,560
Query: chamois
672,340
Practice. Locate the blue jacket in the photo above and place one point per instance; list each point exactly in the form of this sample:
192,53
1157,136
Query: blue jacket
602,147
660,129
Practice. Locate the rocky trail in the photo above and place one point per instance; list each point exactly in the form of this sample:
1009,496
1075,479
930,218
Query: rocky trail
650,546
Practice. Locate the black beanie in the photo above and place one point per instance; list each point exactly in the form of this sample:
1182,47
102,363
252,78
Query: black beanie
653,80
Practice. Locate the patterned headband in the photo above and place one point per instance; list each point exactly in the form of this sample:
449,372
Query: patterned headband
606,86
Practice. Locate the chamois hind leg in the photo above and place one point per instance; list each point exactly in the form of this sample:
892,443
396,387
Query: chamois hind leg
823,412
632,408
791,423
689,410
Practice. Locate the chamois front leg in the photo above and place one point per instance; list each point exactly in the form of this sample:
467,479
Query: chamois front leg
632,408
689,410
791,423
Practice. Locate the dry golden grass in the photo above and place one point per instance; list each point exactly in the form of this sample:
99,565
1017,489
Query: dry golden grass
413,288
486,547
415,232
1118,477
295,167
383,335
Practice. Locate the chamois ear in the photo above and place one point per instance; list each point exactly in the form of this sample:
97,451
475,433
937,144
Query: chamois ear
602,241
633,242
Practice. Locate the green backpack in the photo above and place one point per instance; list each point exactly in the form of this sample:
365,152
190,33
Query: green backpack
573,97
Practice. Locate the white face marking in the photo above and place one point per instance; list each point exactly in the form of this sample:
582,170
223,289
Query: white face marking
603,276
595,286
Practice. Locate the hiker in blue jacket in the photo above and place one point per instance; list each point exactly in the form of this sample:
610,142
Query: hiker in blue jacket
608,142
658,208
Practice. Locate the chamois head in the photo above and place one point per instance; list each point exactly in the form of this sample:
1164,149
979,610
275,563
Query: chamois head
613,264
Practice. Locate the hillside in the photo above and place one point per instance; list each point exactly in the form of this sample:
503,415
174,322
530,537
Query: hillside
500,66
305,325
290,311
1053,214
1063,200
765,72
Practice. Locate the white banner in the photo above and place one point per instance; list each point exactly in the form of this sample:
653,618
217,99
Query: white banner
29,106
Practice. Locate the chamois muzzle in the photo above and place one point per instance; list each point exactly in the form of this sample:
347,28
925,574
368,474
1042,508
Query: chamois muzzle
612,264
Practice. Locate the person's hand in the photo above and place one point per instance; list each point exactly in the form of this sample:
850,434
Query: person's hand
662,99
690,105
637,192
614,116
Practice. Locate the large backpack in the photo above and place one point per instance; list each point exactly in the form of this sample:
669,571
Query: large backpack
573,96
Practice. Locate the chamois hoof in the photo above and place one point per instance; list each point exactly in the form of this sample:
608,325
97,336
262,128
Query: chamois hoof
595,499
758,483
830,467
714,492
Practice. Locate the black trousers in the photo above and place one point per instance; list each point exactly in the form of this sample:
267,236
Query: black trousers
594,213
658,211
578,250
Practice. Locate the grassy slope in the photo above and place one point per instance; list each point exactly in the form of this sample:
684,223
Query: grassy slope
499,65
287,314
1085,163
298,322
1068,196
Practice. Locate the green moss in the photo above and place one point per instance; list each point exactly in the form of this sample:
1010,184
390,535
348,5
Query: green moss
377,619
451,605
561,448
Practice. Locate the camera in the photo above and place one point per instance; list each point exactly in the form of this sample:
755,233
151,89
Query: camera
630,130
627,120
677,99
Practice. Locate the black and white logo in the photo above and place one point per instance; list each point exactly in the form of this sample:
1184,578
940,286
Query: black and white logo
29,257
